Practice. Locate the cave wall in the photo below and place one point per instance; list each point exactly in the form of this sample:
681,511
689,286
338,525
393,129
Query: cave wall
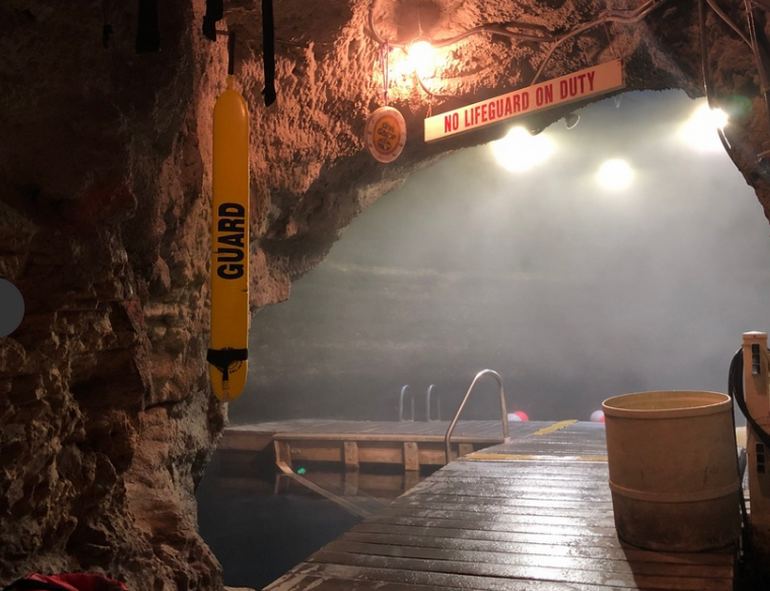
107,419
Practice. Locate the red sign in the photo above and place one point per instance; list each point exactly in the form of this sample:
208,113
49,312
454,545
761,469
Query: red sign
545,95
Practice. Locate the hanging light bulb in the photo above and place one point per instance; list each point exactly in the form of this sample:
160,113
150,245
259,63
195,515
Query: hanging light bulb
700,130
421,58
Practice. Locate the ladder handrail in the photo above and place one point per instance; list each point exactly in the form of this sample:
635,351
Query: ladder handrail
404,390
503,410
428,396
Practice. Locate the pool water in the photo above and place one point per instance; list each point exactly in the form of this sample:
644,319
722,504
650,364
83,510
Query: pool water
258,534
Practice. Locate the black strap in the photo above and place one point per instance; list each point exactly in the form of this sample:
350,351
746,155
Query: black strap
29,585
215,10
735,389
268,51
106,25
148,27
231,53
222,359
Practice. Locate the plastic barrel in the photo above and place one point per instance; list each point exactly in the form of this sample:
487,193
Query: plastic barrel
673,469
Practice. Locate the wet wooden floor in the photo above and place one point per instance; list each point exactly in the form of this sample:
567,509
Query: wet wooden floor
533,514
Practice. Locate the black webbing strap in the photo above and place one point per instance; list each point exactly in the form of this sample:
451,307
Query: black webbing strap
29,585
231,53
222,359
268,51
215,11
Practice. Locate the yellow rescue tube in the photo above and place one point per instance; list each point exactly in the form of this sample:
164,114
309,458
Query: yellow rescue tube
228,343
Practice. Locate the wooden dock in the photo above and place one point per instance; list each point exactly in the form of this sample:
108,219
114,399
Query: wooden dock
533,514
410,444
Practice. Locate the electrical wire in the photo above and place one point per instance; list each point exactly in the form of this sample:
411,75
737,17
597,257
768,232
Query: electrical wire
728,21
491,28
608,16
429,92
496,29
707,79
735,390
759,58
626,16
503,29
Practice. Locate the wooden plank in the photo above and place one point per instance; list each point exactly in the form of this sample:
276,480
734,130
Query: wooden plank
608,552
491,524
533,572
483,516
463,449
282,452
375,576
544,481
536,537
411,456
484,489
296,581
244,441
427,496
397,436
602,514
432,456
385,453
351,455
599,564
315,451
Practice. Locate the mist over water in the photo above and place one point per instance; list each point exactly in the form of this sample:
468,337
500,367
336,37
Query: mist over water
571,292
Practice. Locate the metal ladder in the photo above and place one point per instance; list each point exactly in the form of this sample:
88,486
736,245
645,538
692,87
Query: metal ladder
428,406
503,409
404,390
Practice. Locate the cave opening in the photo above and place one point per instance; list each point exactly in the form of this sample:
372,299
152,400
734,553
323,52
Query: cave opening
574,290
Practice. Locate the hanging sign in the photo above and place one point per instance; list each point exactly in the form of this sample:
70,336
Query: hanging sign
385,134
545,95
228,342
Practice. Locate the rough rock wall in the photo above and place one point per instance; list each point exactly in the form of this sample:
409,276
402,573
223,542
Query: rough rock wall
106,415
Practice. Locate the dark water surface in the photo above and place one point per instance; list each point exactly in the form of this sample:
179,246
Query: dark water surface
258,535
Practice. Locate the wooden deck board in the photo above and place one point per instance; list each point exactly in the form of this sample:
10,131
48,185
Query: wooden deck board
484,431
534,514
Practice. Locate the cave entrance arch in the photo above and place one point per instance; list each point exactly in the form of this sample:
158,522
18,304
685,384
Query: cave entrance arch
572,292
433,254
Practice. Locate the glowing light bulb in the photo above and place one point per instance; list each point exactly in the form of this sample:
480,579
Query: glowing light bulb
700,130
519,150
615,174
421,58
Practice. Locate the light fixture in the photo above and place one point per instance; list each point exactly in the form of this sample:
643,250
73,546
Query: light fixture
615,174
700,130
421,58
571,120
519,150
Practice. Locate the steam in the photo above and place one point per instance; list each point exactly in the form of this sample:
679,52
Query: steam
572,292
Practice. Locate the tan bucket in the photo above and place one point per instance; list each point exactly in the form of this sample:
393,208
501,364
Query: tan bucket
673,469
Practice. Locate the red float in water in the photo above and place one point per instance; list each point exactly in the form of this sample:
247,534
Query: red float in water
518,416
597,416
